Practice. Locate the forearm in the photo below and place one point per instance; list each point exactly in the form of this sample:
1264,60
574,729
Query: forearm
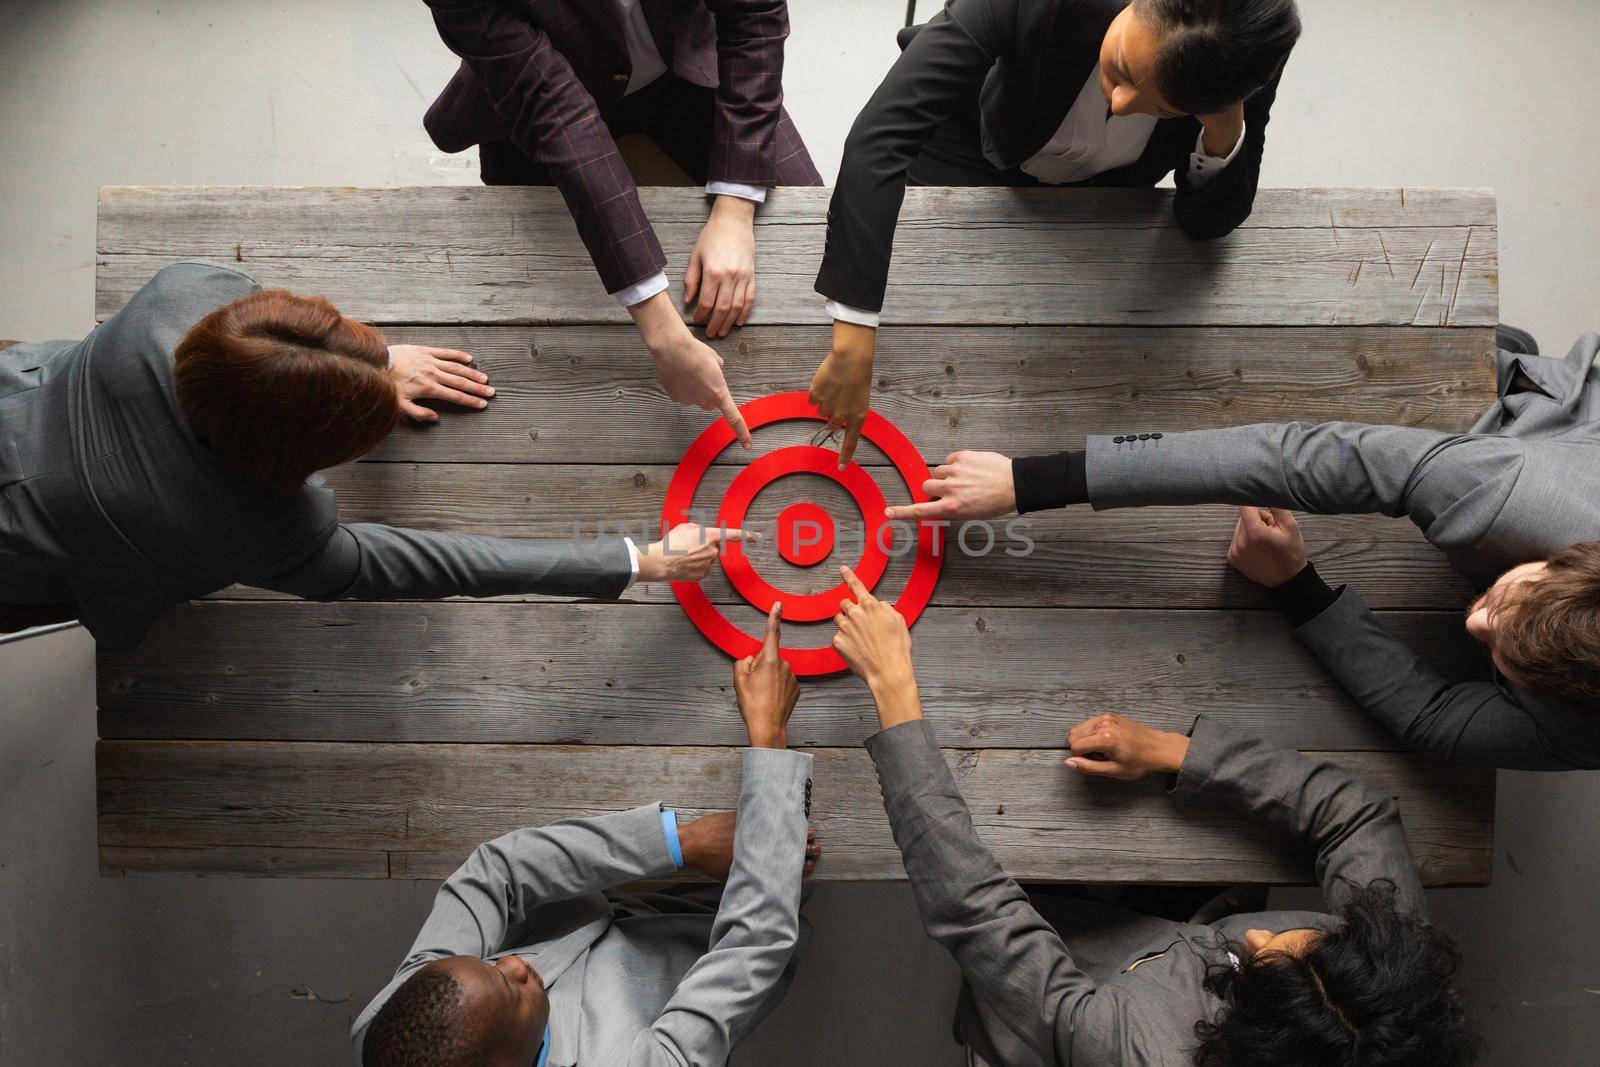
1472,721
944,64
504,880
1350,829
1327,468
373,562
1011,956
757,926
750,47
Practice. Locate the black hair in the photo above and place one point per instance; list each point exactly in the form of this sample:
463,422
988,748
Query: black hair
1217,53
421,1025
1377,991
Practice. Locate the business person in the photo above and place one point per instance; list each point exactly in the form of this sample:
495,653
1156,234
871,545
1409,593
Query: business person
1514,504
173,452
525,960
1047,92
544,90
1370,981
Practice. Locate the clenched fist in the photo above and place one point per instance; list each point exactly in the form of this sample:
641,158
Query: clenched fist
1267,547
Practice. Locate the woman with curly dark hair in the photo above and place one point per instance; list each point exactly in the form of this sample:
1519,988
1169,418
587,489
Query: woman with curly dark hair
1058,980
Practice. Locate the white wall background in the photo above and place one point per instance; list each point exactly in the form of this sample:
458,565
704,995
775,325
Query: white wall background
307,92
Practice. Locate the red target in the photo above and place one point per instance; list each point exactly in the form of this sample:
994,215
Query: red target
800,459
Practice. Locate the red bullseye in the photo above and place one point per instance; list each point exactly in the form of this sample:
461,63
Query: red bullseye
805,534
800,460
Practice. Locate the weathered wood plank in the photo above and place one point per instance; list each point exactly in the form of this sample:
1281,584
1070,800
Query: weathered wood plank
640,674
426,806
232,861
1143,557
589,393
458,254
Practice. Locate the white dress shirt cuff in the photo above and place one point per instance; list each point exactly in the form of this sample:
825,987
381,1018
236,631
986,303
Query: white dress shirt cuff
639,292
1203,167
846,313
633,561
742,191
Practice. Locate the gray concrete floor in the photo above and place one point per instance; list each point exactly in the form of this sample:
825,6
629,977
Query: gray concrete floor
300,92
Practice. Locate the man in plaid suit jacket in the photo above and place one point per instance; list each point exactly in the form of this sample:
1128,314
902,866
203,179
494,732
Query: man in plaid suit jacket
546,86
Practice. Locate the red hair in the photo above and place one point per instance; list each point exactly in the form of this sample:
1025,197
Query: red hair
282,386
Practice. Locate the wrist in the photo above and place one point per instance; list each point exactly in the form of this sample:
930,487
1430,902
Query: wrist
733,208
1170,752
689,842
652,568
657,320
769,737
897,698
1219,138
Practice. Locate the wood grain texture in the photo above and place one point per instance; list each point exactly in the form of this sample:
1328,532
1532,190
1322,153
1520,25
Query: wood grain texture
639,674
588,393
422,808
1339,257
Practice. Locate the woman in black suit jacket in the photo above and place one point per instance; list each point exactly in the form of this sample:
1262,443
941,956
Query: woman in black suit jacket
1047,92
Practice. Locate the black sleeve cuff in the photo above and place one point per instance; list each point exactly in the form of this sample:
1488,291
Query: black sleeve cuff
1044,482
1305,596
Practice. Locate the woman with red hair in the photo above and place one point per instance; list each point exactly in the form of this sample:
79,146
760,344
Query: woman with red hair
174,451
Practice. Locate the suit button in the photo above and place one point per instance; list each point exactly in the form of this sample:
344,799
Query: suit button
619,77
1155,437
1144,437
1118,440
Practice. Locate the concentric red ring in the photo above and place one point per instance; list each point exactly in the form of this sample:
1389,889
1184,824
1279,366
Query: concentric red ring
780,407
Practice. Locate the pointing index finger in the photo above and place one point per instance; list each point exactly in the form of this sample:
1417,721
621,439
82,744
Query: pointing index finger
857,589
774,627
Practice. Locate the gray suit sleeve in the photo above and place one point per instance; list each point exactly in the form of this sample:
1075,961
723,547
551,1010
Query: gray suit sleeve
1472,721
757,924
1017,965
504,880
1351,828
1329,468
365,561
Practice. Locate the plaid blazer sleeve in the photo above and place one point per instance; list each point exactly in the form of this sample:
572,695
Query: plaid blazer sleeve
554,121
744,134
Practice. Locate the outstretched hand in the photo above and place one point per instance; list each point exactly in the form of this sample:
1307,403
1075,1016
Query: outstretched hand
841,389
423,373
1110,746
968,485
687,552
767,688
876,644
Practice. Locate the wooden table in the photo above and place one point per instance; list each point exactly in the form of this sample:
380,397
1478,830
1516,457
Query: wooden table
259,735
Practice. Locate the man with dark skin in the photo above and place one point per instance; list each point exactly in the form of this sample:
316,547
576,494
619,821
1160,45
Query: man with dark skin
525,959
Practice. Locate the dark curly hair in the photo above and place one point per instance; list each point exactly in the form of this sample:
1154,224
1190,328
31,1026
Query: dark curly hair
421,1025
1217,53
1378,991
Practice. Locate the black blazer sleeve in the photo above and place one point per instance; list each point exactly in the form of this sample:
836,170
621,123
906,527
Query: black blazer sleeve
1216,209
942,66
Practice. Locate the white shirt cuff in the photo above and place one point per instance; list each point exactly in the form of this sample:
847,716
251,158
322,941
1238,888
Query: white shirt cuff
742,191
633,561
639,292
846,313
1202,167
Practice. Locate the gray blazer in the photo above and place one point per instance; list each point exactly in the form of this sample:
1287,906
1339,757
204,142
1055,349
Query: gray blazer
634,980
110,505
1523,482
1068,993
